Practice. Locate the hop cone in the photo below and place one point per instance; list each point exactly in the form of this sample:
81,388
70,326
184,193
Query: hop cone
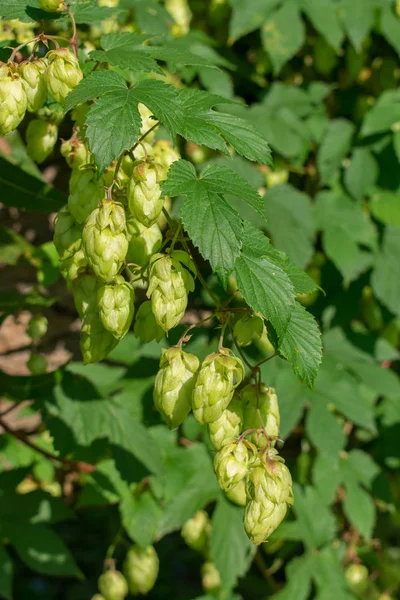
219,375
260,406
109,177
168,289
98,597
37,364
230,465
62,74
33,80
104,240
196,531
174,384
357,578
262,518
237,494
13,100
113,585
143,241
210,577
228,426
41,137
141,569
67,234
37,327
85,193
116,306
248,327
84,290
164,154
146,327
147,122
73,266
96,342
75,152
144,193
51,5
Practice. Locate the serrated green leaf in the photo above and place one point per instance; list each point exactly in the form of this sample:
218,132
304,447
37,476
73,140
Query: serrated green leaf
298,578
357,18
247,17
303,283
93,86
383,114
301,344
113,125
140,514
323,428
126,50
386,276
88,13
334,148
362,172
359,509
151,16
283,34
323,15
358,466
385,207
316,522
390,28
326,477
27,11
6,574
231,550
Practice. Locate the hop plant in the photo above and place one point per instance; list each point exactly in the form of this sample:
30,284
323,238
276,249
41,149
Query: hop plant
260,408
52,5
169,286
220,373
37,364
85,290
210,577
230,465
164,154
104,240
67,234
196,531
13,101
144,193
62,74
174,384
141,569
116,306
98,597
357,578
113,585
262,518
37,327
85,193
247,328
96,342
33,80
75,152
180,11
72,267
237,494
228,426
147,122
146,327
41,137
143,241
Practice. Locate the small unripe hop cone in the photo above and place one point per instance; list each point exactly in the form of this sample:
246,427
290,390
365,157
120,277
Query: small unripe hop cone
13,100
113,585
96,342
141,569
247,328
41,137
67,234
196,531
143,241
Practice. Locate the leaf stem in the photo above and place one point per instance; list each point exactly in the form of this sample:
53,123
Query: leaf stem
183,336
143,136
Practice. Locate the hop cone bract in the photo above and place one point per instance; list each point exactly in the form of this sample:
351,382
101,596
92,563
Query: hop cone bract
13,100
144,193
62,74
96,342
228,426
33,79
75,152
41,137
116,306
113,585
230,465
143,241
84,290
85,193
248,327
260,407
67,234
237,494
141,569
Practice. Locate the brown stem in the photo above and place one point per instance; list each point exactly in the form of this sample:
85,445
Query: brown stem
183,336
82,467
143,136
9,409
258,365
73,41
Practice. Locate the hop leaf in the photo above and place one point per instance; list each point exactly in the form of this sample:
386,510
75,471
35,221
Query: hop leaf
85,193
96,342
67,235
168,289
13,101
196,531
174,384
143,241
219,375
41,137
260,408
248,327
146,327
104,240
144,193
33,79
113,585
141,569
228,426
62,74
230,465
116,306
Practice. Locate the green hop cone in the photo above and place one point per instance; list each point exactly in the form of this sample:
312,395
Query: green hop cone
260,407
146,327
141,569
62,74
98,597
220,373
210,577
33,79
247,328
37,364
262,518
96,342
84,290
116,306
228,426
147,122
237,494
104,240
143,241
85,193
67,234
75,152
41,137
51,5
164,154
357,578
196,531
174,384
144,193
37,327
231,464
168,289
113,585
72,267
13,101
